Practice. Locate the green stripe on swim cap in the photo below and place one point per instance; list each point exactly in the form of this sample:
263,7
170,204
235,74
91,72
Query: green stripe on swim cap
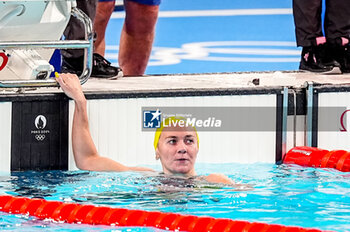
166,122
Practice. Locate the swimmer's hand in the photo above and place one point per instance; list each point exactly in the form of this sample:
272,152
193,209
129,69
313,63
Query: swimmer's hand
71,86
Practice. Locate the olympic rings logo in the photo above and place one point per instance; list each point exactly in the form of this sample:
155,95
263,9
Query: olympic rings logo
40,137
221,51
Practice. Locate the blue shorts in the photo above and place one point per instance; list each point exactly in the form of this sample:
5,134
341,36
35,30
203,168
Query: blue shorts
146,2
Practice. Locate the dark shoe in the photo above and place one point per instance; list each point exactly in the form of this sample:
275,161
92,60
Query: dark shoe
341,54
318,59
72,65
102,68
345,66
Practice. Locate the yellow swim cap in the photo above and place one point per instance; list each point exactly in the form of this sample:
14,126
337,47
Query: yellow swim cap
166,122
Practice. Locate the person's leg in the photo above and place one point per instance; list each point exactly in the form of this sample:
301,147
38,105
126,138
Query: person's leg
309,35
307,20
337,29
103,13
72,61
337,19
137,37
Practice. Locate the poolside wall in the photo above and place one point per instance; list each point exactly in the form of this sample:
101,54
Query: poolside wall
5,135
338,100
116,126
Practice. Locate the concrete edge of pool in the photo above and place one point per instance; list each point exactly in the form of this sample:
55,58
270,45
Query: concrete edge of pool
293,116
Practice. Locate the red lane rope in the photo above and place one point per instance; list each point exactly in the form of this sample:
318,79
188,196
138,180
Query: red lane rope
342,160
316,157
95,215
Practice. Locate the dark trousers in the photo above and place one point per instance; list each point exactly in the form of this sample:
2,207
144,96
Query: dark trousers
308,22
75,29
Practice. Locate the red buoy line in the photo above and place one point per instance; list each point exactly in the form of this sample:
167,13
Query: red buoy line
99,215
319,158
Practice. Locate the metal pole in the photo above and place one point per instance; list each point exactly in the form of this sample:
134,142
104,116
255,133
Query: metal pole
284,121
309,116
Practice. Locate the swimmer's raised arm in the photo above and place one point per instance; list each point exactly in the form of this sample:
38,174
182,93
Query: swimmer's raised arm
85,153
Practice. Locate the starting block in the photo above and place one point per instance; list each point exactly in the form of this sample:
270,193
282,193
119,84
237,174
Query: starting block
30,31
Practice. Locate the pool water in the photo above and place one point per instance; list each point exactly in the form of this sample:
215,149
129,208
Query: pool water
287,195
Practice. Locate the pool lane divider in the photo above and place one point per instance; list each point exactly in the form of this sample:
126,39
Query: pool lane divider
318,158
100,215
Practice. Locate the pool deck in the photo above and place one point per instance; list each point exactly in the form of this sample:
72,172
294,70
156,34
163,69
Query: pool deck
192,82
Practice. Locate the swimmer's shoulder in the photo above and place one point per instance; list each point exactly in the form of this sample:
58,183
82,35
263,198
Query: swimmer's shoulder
218,178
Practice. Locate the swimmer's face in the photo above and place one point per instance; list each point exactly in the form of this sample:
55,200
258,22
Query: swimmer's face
177,150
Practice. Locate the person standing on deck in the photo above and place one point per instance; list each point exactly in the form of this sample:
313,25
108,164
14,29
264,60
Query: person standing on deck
328,52
137,35
135,44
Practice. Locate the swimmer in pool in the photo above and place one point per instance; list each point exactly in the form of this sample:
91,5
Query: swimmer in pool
176,147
